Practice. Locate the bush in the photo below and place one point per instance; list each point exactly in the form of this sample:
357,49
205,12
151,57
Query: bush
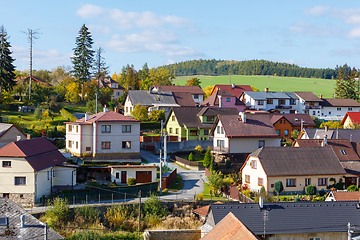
297,199
65,114
191,157
89,213
198,150
352,188
310,190
57,213
90,234
117,214
228,163
200,197
91,183
131,181
322,192
153,206
207,158
246,193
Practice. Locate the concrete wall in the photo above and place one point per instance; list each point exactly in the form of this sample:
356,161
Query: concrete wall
188,234
75,137
64,176
248,145
255,174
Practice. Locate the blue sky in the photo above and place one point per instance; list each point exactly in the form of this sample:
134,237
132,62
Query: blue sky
319,34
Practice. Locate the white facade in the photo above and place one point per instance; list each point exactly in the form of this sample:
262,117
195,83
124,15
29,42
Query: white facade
128,106
198,98
116,173
253,174
337,113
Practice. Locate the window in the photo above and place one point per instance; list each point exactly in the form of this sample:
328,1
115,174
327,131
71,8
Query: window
6,163
314,238
260,181
70,128
88,149
117,175
48,175
220,130
70,144
77,145
343,152
261,102
176,130
228,99
292,102
127,109
220,143
329,113
278,132
281,101
77,129
20,180
193,132
126,128
206,131
210,118
307,181
269,101
117,93
170,130
339,108
196,96
53,172
286,132
106,128
4,221
261,143
126,144
350,109
322,181
247,178
21,195
291,182
172,118
253,164
105,145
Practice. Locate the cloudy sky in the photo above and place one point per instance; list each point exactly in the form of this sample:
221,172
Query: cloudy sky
319,34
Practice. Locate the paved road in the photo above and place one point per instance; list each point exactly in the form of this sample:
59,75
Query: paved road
193,184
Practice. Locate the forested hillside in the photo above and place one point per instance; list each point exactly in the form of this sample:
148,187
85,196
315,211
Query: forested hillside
253,67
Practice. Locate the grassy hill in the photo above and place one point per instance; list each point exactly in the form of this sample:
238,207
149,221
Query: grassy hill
323,87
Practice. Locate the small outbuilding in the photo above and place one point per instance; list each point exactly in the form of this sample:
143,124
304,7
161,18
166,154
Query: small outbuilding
142,173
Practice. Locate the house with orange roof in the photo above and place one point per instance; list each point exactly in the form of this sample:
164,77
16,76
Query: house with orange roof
30,169
342,196
105,135
235,90
351,119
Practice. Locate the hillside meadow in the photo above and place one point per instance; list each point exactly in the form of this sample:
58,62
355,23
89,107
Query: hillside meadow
324,87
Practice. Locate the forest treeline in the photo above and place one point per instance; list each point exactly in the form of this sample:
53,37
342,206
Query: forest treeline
252,67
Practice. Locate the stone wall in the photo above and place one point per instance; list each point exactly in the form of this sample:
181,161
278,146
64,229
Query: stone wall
21,199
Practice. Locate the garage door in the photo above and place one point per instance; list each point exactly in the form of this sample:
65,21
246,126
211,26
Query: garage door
143,176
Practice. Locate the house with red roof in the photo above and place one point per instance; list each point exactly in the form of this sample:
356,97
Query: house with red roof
30,169
117,90
351,119
235,90
106,135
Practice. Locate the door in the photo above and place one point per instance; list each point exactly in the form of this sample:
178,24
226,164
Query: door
7,195
123,176
143,176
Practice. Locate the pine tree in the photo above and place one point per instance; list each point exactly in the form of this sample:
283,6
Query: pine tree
345,84
7,69
83,56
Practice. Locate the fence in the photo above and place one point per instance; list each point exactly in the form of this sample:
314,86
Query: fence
109,194
237,195
168,180
157,138
190,164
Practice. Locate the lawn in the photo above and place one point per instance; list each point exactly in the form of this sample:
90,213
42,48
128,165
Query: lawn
207,196
285,84
176,186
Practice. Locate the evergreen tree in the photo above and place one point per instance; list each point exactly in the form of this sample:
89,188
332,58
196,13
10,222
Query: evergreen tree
207,158
345,84
83,56
7,69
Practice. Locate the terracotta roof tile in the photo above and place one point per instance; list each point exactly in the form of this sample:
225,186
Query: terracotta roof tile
354,117
108,116
184,99
308,96
236,90
294,119
346,196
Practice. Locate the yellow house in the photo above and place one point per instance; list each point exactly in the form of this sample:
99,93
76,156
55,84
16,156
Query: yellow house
294,167
30,169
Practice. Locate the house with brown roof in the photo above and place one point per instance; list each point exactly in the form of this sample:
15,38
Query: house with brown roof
336,108
311,104
295,167
105,135
193,123
108,82
342,196
30,169
238,135
284,124
351,119
10,133
196,92
235,90
223,99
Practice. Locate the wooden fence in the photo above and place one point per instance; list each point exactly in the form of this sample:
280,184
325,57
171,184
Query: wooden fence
169,179
190,164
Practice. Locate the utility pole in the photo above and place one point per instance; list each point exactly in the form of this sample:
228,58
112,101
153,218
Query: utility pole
161,146
32,35
160,173
96,104
349,231
165,152
139,211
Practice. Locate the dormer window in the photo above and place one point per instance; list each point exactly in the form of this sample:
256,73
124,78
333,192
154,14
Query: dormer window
228,99
343,152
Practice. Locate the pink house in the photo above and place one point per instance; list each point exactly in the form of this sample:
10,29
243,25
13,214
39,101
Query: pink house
224,99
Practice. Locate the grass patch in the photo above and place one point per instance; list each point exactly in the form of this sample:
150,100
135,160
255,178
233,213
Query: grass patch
177,185
207,196
197,158
182,166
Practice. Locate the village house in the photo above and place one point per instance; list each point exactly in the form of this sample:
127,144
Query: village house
284,124
353,135
196,92
238,135
343,196
105,135
296,167
108,82
30,169
350,120
10,133
194,123
287,220
233,89
310,103
336,108
142,173
223,99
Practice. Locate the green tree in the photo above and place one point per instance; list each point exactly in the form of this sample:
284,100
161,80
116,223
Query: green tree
140,113
278,188
157,115
215,181
153,206
310,190
352,188
207,158
83,56
295,134
7,69
194,82
345,86
191,157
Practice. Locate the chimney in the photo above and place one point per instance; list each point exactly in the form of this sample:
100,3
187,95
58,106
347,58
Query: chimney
261,202
159,90
105,108
220,101
243,116
18,138
116,109
266,89
22,221
325,141
233,85
326,128
86,116
321,96
28,136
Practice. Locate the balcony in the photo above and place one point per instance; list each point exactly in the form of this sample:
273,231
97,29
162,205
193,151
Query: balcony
221,150
283,107
312,107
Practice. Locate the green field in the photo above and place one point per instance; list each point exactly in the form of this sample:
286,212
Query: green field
323,87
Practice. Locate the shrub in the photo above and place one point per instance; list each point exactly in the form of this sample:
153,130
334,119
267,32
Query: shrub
246,192
278,188
228,163
310,190
297,199
117,214
57,213
352,188
65,114
200,197
191,157
153,206
207,158
87,212
131,181
198,150
322,192
262,190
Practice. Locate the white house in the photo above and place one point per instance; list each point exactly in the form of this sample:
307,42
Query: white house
105,135
309,103
30,169
108,82
336,108
142,173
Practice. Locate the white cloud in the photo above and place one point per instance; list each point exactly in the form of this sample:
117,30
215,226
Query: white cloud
316,11
90,11
349,16
314,30
354,33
